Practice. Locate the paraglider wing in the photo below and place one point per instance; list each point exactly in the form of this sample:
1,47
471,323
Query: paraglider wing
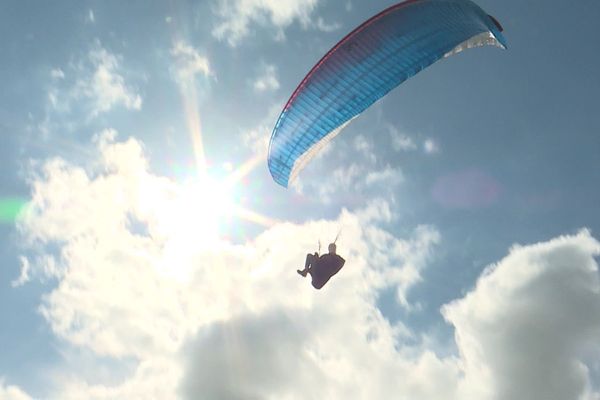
365,65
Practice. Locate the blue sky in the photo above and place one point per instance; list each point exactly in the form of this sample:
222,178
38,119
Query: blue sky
467,202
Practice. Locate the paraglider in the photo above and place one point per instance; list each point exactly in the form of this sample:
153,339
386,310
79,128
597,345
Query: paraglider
364,66
322,268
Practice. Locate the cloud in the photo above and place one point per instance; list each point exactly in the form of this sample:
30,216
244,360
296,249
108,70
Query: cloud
92,86
57,73
365,147
387,176
189,63
323,26
237,16
107,87
359,177
138,278
151,379
12,392
348,170
357,173
524,330
257,138
523,333
401,141
267,81
304,346
430,146
249,357
24,276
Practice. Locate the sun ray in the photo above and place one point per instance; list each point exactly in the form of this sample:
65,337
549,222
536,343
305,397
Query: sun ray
244,169
253,216
190,104
189,98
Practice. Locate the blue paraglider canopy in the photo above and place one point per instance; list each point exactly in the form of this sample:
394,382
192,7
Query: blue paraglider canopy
368,63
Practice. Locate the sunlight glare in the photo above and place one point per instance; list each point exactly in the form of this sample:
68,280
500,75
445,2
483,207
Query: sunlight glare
202,205
189,223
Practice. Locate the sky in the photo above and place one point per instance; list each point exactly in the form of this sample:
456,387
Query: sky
146,253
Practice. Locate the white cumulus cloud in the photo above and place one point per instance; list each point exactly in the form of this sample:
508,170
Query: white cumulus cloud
524,330
10,392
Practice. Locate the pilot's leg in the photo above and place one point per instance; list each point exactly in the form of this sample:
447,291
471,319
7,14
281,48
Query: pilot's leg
311,260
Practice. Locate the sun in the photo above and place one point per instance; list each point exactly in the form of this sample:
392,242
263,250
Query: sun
187,221
198,210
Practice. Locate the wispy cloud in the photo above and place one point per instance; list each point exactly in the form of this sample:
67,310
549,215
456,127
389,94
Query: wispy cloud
356,179
93,85
431,146
323,26
358,172
257,138
267,79
237,16
57,73
107,87
387,175
401,141
24,276
189,62
365,147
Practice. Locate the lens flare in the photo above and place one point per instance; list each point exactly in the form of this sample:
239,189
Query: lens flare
10,209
